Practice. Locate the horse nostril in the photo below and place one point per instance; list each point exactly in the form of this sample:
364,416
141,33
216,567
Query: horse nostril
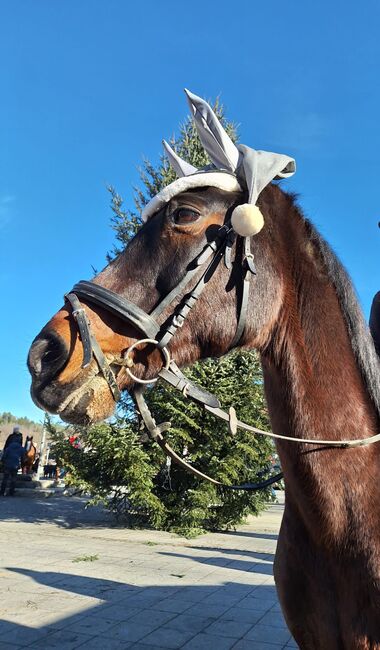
47,355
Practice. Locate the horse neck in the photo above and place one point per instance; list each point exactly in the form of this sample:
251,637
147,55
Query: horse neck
315,389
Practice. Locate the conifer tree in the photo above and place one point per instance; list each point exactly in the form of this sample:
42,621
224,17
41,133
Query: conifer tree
118,459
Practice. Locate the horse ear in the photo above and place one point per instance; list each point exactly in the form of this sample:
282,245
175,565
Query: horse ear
259,168
262,167
181,167
214,138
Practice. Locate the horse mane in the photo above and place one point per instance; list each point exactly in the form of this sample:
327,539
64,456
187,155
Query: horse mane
360,336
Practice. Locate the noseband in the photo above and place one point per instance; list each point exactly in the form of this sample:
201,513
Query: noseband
154,333
160,336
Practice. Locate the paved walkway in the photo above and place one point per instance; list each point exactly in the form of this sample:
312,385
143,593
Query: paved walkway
72,580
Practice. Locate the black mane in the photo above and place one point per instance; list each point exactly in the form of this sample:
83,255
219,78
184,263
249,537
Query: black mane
359,333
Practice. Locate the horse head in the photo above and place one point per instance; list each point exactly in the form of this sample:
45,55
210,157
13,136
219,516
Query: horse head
187,280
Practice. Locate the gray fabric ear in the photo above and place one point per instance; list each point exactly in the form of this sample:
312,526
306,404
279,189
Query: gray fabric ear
181,167
259,168
219,146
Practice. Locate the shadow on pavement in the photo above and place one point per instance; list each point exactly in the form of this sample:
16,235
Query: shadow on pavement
65,512
236,551
243,533
193,617
266,567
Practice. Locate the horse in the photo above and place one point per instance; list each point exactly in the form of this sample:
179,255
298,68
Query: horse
28,459
321,376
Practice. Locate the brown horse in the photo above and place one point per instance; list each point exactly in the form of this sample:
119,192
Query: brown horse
29,457
322,380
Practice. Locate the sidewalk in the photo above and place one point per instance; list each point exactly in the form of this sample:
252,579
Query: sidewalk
70,580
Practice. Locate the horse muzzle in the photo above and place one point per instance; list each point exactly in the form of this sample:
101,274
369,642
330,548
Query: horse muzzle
47,356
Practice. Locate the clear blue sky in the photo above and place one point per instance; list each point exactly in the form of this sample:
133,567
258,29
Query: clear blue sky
88,87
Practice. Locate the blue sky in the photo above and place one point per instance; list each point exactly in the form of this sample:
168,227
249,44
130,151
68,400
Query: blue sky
89,87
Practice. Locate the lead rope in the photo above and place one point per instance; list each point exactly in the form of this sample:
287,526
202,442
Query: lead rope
155,432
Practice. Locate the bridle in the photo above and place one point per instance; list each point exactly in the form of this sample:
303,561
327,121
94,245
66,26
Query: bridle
204,265
160,335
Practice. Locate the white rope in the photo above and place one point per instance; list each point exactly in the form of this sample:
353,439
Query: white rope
361,442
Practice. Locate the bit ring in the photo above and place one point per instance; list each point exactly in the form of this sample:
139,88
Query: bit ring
165,353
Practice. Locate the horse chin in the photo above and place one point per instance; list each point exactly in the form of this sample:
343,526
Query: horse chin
84,404
88,404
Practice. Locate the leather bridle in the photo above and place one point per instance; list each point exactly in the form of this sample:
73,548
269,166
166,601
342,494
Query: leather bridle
160,335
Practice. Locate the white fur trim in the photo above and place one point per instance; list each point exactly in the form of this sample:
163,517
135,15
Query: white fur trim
220,180
247,220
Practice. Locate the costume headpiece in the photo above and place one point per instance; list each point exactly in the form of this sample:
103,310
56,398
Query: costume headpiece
234,168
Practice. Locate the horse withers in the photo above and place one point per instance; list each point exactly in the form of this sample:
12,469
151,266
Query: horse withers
321,371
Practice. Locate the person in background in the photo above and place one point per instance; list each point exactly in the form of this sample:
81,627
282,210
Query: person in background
11,460
15,435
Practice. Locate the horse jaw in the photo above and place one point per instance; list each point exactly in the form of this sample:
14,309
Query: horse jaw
81,402
90,403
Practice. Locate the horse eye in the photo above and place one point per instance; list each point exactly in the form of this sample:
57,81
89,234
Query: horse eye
183,216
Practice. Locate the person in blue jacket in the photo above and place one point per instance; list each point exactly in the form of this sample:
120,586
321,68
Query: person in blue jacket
11,460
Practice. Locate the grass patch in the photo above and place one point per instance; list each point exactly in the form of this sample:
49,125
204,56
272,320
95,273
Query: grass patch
85,558
150,543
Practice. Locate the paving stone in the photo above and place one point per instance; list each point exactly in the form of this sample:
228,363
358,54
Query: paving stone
265,569
221,599
92,625
243,615
205,641
234,629
190,623
172,605
274,619
128,598
139,646
127,631
166,637
213,611
54,620
268,634
237,589
154,618
244,644
23,635
258,604
143,600
104,643
6,626
195,594
62,640
276,608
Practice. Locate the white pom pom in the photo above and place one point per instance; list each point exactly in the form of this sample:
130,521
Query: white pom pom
247,220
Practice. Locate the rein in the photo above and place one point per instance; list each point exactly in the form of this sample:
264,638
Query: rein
160,336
